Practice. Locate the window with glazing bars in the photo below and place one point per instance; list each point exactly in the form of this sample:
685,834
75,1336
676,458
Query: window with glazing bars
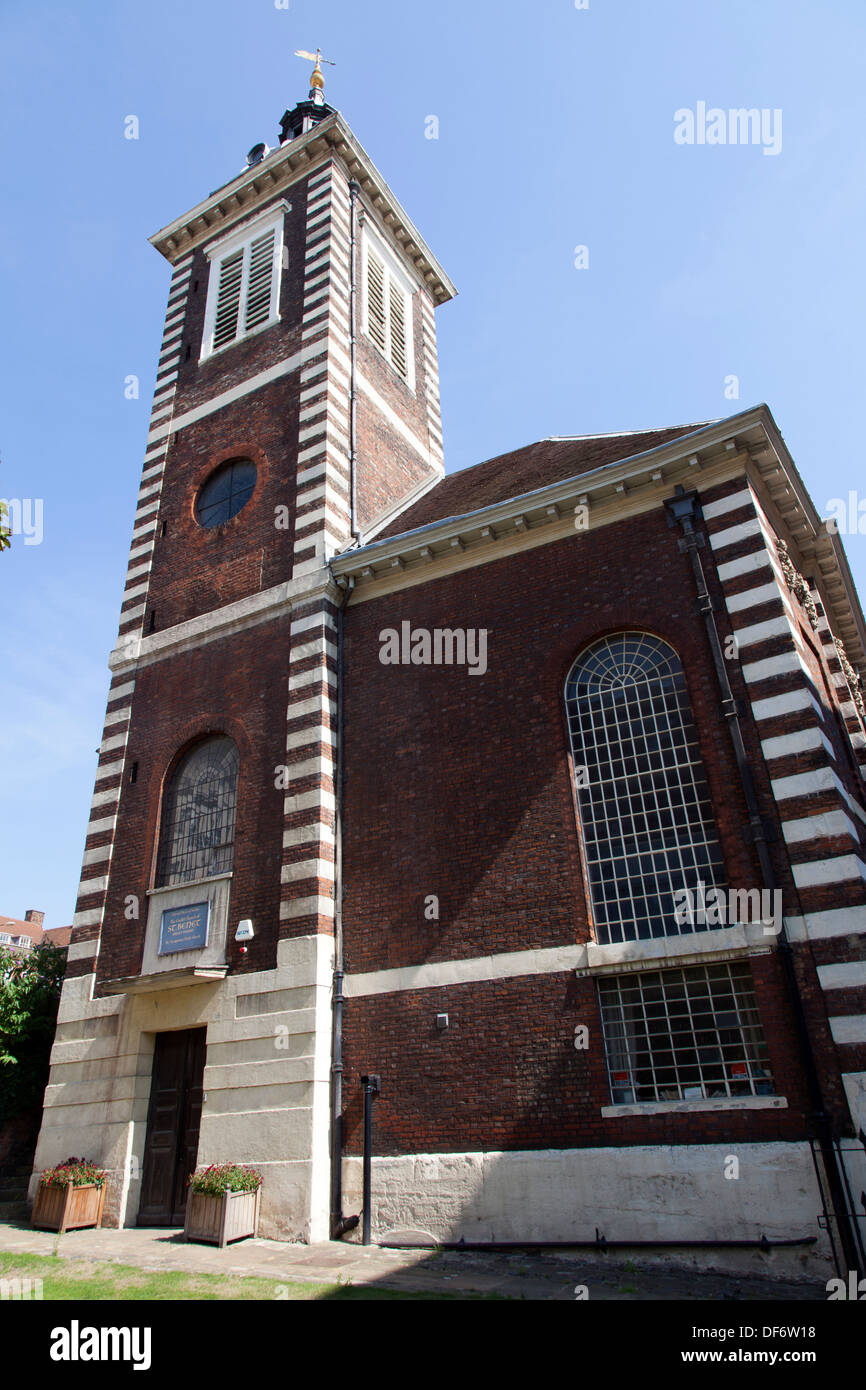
198,822
646,821
687,1034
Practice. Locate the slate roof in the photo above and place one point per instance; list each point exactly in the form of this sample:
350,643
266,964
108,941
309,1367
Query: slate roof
524,470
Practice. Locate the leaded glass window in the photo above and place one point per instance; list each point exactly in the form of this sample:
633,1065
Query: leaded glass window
198,823
646,821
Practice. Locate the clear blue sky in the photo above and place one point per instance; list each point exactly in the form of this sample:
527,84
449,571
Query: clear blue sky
556,128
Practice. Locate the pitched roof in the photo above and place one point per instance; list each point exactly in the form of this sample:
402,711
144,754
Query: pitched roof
524,470
58,936
14,926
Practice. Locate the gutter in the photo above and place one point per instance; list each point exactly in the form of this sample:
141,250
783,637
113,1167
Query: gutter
753,432
354,192
550,492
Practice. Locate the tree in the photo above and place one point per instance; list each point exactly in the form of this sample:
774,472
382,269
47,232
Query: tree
5,533
30,986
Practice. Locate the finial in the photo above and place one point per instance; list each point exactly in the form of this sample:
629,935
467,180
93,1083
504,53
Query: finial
317,81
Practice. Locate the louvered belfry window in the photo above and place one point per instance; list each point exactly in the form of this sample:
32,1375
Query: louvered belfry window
260,280
377,319
198,818
244,290
387,316
646,820
231,272
397,307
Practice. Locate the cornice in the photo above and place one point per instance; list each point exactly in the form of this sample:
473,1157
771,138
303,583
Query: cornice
135,651
286,165
610,493
815,551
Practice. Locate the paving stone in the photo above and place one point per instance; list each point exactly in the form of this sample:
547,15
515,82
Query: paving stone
538,1275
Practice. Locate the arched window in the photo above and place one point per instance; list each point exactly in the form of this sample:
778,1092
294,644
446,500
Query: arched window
644,806
198,817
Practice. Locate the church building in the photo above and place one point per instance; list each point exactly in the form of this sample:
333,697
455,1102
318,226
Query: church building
521,806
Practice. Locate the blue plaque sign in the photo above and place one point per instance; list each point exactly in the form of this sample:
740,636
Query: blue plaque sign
183,928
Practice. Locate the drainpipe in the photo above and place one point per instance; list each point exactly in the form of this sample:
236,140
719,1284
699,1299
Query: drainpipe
340,1224
600,1243
372,1086
354,192
685,509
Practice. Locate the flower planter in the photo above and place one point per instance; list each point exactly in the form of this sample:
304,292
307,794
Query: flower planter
67,1207
217,1220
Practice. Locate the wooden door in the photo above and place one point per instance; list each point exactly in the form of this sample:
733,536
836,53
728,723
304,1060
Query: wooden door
173,1120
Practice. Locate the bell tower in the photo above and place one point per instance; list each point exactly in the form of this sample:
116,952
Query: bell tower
296,412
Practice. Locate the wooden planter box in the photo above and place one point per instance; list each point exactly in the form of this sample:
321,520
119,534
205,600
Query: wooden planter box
217,1220
68,1208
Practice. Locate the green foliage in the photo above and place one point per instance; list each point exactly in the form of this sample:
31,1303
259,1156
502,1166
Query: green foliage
74,1172
226,1177
29,994
5,533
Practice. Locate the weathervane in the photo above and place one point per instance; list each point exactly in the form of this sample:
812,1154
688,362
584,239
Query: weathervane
317,81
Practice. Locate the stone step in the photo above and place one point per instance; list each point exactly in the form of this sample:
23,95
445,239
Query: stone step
16,1192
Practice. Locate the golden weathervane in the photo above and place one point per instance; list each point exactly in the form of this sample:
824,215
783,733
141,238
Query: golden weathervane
317,81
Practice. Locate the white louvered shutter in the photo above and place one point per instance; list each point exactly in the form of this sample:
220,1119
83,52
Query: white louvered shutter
260,282
397,306
376,320
228,298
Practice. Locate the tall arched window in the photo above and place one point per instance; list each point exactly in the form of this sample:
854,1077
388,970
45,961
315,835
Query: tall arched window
198,816
644,806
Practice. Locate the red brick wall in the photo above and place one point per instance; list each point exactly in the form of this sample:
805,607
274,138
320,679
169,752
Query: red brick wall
388,467
235,686
506,1073
459,786
197,569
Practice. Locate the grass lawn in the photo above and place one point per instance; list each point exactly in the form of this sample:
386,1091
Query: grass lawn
70,1280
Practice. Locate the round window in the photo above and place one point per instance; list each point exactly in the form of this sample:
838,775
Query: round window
226,491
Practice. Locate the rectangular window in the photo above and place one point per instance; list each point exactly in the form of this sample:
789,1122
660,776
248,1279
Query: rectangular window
687,1034
388,309
243,291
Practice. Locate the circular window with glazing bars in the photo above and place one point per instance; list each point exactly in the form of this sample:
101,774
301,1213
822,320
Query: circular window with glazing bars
225,492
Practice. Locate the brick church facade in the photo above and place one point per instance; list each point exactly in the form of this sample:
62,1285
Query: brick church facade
535,790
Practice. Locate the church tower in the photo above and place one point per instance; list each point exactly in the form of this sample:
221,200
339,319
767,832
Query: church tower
296,412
